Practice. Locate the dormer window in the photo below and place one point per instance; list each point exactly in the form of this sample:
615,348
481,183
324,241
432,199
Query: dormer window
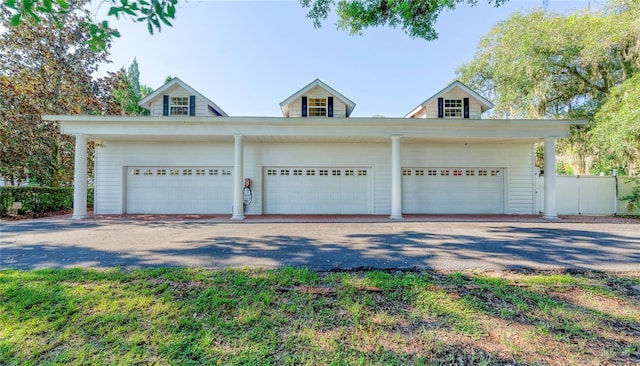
179,106
317,107
453,108
317,100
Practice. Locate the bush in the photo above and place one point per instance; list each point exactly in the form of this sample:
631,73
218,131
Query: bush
38,199
633,199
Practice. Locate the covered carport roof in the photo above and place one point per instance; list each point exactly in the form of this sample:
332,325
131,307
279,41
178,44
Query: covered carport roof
276,129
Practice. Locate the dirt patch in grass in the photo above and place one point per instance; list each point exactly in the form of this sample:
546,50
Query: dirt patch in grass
297,316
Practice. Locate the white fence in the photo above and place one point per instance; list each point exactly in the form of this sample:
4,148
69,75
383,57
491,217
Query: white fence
588,195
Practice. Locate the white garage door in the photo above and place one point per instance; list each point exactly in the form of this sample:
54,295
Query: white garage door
452,190
317,190
179,190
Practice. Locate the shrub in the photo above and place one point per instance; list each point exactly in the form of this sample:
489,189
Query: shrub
38,199
633,199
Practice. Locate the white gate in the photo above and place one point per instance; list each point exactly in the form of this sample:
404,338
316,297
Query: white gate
580,195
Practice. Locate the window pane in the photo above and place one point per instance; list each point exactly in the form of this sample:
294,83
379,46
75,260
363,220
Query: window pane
179,101
179,106
453,107
317,112
179,111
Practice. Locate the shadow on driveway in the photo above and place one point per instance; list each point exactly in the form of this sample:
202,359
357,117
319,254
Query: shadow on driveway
327,246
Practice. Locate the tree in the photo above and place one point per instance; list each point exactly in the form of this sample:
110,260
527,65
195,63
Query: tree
154,12
45,68
127,90
617,128
416,17
546,65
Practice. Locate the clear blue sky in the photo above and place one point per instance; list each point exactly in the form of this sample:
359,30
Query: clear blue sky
248,56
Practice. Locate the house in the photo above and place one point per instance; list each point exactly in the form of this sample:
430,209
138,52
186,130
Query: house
189,156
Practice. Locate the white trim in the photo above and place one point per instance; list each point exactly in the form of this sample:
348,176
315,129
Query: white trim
396,178
310,107
238,175
456,109
484,103
146,101
550,192
172,104
80,178
159,128
285,104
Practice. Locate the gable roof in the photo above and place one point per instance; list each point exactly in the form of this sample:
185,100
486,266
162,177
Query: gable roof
284,105
212,107
485,104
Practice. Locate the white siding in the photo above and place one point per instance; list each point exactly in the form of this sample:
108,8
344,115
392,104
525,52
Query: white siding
455,93
516,159
339,108
371,155
179,190
113,157
453,190
177,91
317,190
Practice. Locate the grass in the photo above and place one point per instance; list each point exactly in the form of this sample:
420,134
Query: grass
296,316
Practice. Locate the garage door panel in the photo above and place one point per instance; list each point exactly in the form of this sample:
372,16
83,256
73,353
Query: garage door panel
316,190
178,190
453,190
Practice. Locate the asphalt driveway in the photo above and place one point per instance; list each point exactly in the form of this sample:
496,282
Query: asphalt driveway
349,243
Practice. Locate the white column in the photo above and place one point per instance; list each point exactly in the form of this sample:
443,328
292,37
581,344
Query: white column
550,193
396,179
80,179
238,205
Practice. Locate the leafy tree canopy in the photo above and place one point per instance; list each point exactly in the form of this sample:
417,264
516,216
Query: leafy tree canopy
416,17
45,68
617,125
545,65
155,13
126,90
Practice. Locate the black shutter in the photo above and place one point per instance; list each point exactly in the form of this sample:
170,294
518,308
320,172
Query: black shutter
440,107
330,107
165,105
304,106
192,105
466,108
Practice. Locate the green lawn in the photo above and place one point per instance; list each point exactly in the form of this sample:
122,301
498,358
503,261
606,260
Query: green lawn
296,316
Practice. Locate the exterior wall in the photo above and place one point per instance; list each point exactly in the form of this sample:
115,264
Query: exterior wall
177,91
374,155
339,108
112,157
475,110
517,159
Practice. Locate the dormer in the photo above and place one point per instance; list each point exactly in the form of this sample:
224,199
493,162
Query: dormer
176,98
455,101
317,99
